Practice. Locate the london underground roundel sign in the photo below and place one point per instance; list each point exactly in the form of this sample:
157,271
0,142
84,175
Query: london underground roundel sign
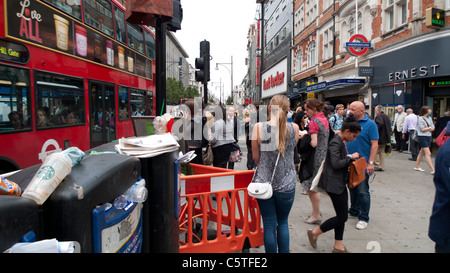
358,45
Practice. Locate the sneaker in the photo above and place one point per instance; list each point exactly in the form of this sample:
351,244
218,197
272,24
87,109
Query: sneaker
361,225
419,169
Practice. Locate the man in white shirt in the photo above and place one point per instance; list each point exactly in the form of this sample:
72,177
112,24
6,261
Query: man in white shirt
409,126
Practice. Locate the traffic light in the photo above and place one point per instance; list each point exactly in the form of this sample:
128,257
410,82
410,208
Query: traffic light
175,23
202,63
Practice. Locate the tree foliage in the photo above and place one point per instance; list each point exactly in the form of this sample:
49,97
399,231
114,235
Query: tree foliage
175,91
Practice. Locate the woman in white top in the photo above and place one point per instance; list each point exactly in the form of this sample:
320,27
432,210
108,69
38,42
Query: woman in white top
425,127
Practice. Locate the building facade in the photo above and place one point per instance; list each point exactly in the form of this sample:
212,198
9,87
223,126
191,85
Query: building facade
269,50
406,63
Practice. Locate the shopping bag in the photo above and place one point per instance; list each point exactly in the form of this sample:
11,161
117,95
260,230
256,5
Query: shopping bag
315,182
208,157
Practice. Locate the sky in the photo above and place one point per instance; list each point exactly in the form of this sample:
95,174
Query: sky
225,24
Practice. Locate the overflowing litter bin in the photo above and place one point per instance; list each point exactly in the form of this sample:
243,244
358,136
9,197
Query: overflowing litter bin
81,208
160,221
18,217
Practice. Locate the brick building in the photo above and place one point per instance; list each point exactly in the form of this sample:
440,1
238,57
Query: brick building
410,62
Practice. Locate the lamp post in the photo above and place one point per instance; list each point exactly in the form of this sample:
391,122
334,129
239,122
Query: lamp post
231,73
220,90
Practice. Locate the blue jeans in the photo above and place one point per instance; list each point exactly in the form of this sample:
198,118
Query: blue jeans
275,213
360,200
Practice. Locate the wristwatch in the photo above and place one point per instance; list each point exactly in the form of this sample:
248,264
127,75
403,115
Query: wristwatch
371,162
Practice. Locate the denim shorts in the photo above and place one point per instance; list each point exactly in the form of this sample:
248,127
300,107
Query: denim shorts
424,141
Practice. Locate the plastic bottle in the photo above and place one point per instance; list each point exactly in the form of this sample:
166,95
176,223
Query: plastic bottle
121,202
137,193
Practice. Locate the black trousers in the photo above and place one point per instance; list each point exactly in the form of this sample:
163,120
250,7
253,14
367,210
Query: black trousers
340,204
398,139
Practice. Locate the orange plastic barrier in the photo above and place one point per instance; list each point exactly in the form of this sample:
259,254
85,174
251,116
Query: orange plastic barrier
231,222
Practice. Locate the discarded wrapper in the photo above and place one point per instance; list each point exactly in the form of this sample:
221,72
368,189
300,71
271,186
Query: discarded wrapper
8,187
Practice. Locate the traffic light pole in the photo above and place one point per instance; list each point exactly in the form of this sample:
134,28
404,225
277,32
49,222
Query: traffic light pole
205,93
160,81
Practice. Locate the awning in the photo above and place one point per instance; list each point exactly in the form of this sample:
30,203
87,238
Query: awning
341,83
322,86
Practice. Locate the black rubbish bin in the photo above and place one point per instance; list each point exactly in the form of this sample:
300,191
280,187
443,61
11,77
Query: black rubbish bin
18,216
161,230
78,211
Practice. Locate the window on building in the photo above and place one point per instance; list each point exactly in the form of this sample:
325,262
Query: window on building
352,24
311,11
60,99
299,20
327,3
298,60
15,99
328,43
98,14
311,57
396,13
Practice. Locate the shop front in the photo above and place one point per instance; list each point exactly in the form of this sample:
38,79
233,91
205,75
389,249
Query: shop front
413,73
298,93
340,91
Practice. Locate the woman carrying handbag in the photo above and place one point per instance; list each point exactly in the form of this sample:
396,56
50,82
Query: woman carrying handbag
276,139
334,180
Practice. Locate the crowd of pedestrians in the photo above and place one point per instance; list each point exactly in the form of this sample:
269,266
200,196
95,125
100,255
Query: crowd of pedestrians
315,146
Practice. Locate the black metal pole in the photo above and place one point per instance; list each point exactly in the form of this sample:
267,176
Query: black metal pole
205,93
160,80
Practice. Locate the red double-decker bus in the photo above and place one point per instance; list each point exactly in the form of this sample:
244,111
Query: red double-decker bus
72,73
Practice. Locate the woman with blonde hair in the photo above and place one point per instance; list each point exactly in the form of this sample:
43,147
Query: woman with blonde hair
274,138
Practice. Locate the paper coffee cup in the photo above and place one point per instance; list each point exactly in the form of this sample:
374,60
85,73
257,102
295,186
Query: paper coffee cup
54,169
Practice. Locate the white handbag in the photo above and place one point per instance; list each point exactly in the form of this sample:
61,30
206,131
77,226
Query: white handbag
262,190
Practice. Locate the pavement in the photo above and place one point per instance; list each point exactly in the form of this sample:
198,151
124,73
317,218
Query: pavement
401,205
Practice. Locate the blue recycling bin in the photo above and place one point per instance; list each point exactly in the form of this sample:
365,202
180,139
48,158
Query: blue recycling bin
80,209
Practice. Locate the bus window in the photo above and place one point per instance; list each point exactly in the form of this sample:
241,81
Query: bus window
15,99
149,45
141,102
60,100
137,101
121,34
98,14
135,37
124,103
70,7
149,103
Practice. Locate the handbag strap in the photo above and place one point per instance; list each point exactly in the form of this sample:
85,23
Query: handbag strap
274,169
